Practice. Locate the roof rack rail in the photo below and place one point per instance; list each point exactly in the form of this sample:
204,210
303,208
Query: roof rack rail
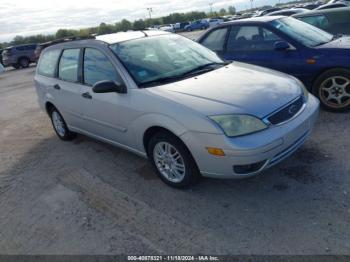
68,39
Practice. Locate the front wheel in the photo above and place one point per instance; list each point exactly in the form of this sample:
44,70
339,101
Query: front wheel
333,89
172,160
60,126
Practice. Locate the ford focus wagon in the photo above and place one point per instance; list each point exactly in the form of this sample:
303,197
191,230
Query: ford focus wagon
175,102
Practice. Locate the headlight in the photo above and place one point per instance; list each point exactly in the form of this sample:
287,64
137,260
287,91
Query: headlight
303,89
238,125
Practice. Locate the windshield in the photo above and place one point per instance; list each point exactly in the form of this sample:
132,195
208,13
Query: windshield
160,57
304,33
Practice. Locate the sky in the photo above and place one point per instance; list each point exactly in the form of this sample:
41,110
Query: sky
29,17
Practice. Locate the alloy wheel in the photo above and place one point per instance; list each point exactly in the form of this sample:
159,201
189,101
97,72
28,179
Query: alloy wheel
58,123
169,162
335,92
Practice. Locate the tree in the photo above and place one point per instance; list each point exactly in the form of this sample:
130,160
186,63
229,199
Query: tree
232,10
139,25
62,33
222,11
124,26
105,29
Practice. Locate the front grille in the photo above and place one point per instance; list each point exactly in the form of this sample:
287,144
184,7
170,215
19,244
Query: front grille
287,112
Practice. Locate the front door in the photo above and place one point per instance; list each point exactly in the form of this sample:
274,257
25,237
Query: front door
254,44
106,115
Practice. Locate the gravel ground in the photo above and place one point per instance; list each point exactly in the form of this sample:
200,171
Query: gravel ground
86,197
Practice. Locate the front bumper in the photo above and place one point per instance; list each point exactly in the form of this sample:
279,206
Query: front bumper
260,150
7,62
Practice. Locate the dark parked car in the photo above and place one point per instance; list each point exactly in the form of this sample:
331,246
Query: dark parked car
335,21
19,56
311,6
330,6
1,50
319,59
267,11
289,12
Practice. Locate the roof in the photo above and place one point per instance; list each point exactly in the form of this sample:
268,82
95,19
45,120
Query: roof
15,46
261,19
324,11
125,36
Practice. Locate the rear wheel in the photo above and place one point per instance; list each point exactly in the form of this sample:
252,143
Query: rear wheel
24,62
60,126
333,89
16,66
172,160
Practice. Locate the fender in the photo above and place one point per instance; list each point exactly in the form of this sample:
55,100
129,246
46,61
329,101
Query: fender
144,122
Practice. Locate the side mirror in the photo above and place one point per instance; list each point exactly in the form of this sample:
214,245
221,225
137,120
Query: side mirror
281,46
108,86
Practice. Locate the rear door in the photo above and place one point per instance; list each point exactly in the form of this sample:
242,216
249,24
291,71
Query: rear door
67,89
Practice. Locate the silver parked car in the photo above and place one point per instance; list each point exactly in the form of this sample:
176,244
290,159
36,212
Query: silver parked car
165,97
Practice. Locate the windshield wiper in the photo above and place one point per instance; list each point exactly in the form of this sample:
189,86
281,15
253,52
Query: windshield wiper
161,80
203,68
198,70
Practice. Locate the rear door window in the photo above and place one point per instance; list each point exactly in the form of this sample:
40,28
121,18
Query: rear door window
69,64
48,62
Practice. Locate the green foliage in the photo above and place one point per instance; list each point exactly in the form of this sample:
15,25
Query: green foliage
232,10
222,11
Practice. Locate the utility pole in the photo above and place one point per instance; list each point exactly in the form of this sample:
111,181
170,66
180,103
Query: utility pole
211,8
251,4
150,10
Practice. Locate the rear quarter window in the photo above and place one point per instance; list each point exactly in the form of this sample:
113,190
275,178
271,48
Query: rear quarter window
48,62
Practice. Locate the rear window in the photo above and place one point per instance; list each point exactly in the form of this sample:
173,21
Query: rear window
48,62
319,21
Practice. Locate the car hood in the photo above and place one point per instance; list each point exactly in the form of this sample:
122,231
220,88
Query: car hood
340,43
237,88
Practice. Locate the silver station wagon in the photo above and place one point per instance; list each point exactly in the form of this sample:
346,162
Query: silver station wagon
175,102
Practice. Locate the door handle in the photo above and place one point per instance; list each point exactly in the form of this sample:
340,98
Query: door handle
86,95
57,87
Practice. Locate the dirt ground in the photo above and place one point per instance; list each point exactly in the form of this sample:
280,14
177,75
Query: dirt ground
86,197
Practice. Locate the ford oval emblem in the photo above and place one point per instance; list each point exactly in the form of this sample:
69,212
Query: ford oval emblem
292,110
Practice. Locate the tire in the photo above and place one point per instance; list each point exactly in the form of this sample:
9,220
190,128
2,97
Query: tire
60,126
16,66
24,62
177,169
333,89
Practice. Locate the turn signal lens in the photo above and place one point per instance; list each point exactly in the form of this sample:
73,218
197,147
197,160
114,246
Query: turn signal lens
216,151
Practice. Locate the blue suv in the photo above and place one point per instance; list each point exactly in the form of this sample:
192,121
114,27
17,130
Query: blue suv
19,56
319,59
197,25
